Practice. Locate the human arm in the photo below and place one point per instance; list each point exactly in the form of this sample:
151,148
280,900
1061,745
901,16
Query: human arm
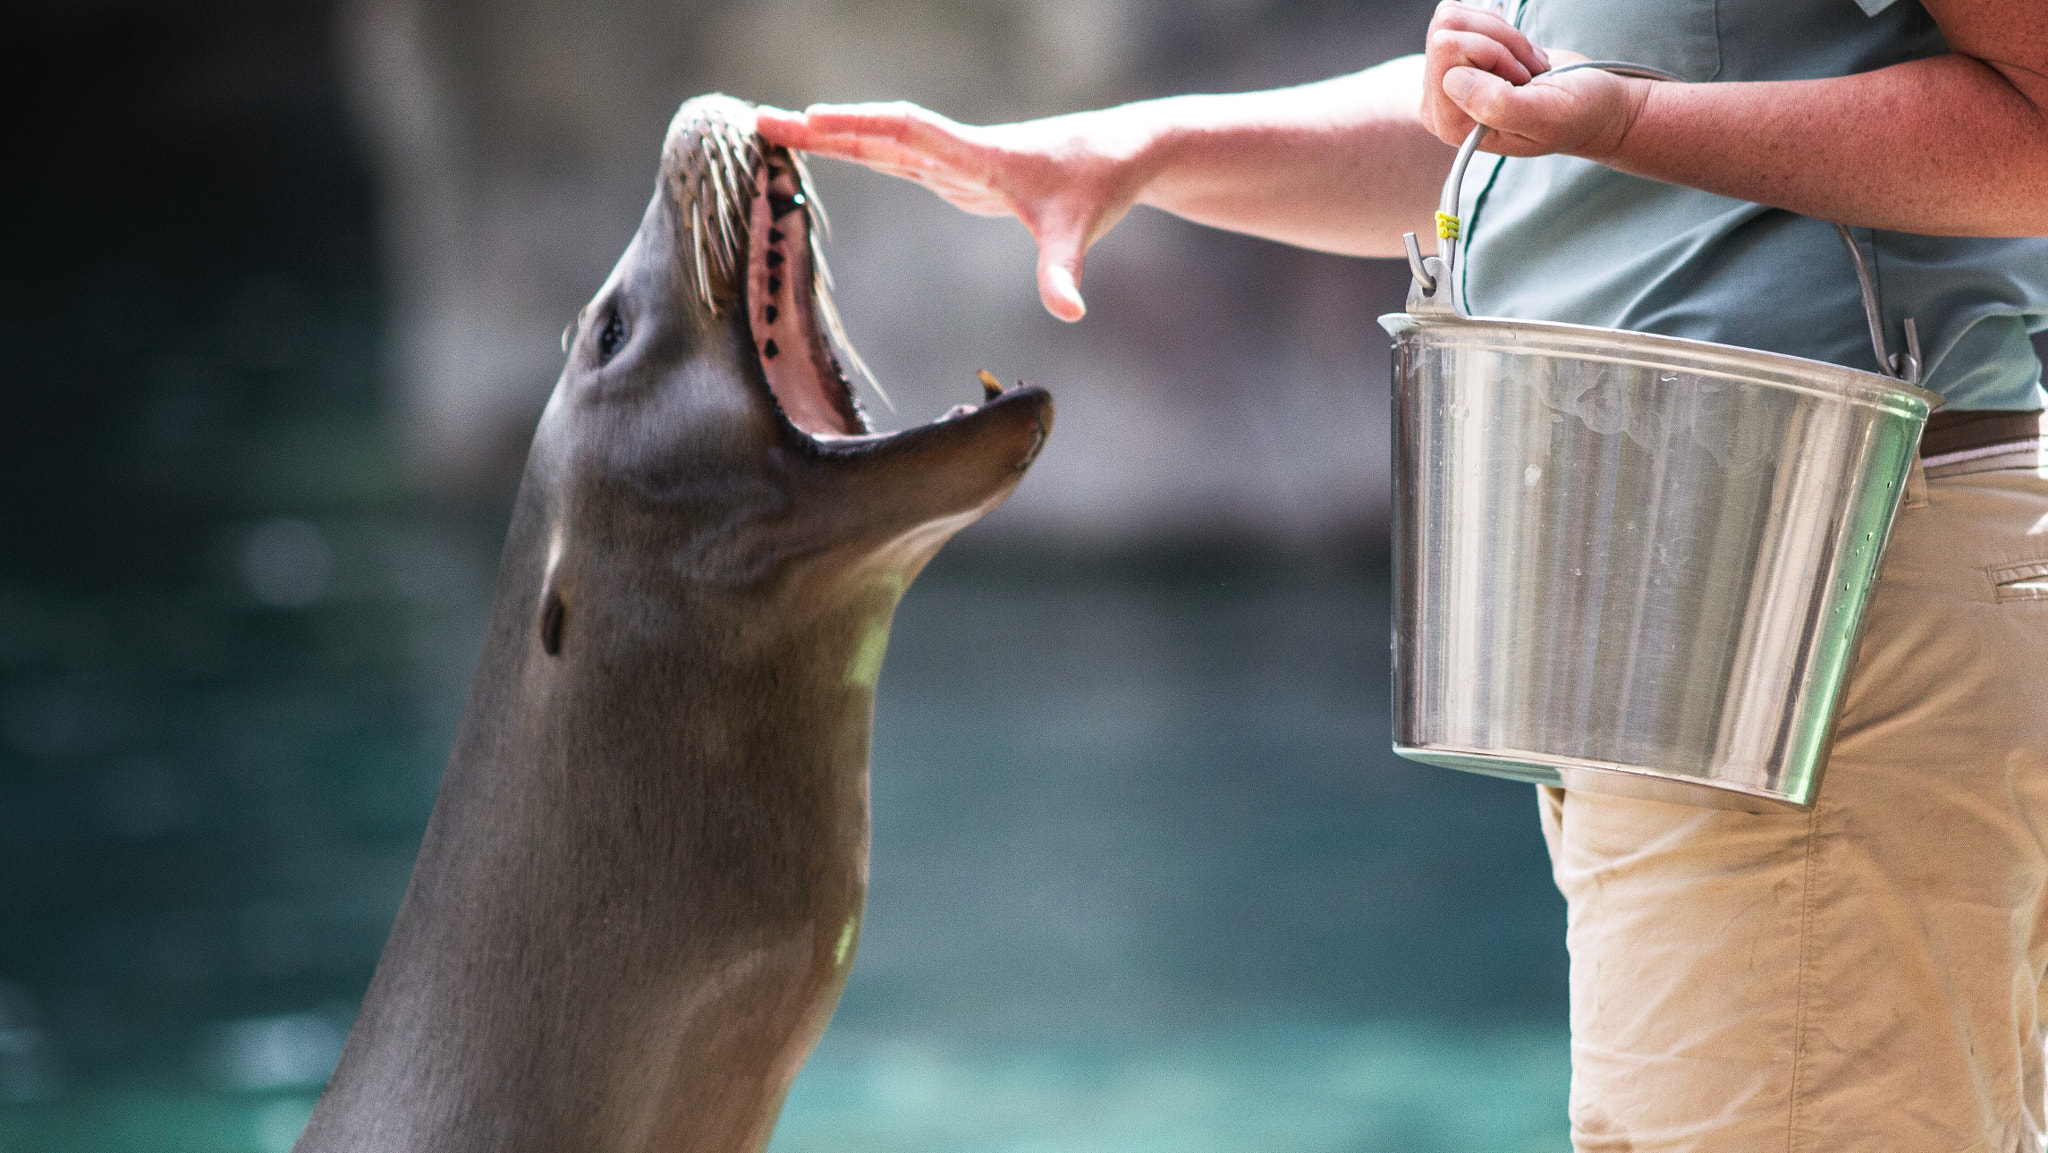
1342,165
1955,144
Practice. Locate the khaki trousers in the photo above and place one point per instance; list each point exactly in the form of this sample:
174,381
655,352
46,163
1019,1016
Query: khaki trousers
1868,976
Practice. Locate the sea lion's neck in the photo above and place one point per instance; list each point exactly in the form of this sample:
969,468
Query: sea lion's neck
639,890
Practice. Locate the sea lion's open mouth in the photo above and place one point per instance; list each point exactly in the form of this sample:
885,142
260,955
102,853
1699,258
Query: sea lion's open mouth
753,227
786,289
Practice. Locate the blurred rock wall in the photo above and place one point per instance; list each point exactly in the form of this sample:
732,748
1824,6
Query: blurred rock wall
1220,388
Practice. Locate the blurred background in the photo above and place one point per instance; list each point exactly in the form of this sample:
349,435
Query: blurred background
284,281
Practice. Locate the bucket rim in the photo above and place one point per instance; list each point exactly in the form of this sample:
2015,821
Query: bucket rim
1588,342
1467,758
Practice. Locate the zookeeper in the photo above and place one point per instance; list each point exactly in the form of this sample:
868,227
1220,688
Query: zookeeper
1870,975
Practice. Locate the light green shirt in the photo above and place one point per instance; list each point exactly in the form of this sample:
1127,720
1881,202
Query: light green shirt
1558,238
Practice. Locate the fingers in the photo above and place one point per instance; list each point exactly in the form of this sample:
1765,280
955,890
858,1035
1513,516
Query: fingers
781,126
863,130
901,122
899,139
1457,56
1462,37
1475,50
1583,113
1452,16
1482,96
967,188
981,170
1059,274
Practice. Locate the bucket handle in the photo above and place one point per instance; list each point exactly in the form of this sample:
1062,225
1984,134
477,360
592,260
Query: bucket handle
1435,276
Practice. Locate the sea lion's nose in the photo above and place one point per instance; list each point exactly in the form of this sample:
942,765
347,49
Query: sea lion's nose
708,166
701,126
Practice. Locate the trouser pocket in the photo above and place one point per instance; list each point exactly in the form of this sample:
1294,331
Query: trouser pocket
2027,581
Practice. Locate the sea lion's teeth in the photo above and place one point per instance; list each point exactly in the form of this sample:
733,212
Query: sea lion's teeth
782,257
990,386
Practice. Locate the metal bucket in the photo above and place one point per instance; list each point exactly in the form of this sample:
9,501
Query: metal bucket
1628,563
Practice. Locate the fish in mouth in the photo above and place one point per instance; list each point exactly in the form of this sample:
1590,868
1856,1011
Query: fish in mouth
641,888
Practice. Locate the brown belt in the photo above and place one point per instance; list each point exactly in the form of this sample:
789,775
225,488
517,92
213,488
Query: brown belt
1949,432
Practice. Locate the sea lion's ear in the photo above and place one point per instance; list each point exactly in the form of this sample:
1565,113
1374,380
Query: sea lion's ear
553,613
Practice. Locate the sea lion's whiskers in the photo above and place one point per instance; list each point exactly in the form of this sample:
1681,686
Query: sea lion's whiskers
703,273
828,312
714,175
822,285
732,167
720,186
719,192
815,207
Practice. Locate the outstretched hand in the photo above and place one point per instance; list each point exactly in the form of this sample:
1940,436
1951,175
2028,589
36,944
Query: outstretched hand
1480,69
1060,182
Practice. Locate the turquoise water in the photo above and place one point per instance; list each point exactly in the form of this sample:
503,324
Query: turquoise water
1310,1088
1144,875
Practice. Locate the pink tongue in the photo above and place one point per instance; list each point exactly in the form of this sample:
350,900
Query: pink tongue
793,355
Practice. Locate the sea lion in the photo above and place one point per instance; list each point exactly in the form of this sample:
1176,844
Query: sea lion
641,885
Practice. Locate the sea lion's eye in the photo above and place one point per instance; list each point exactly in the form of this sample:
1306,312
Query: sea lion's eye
611,336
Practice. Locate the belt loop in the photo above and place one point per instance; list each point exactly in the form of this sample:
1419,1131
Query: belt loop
1916,486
